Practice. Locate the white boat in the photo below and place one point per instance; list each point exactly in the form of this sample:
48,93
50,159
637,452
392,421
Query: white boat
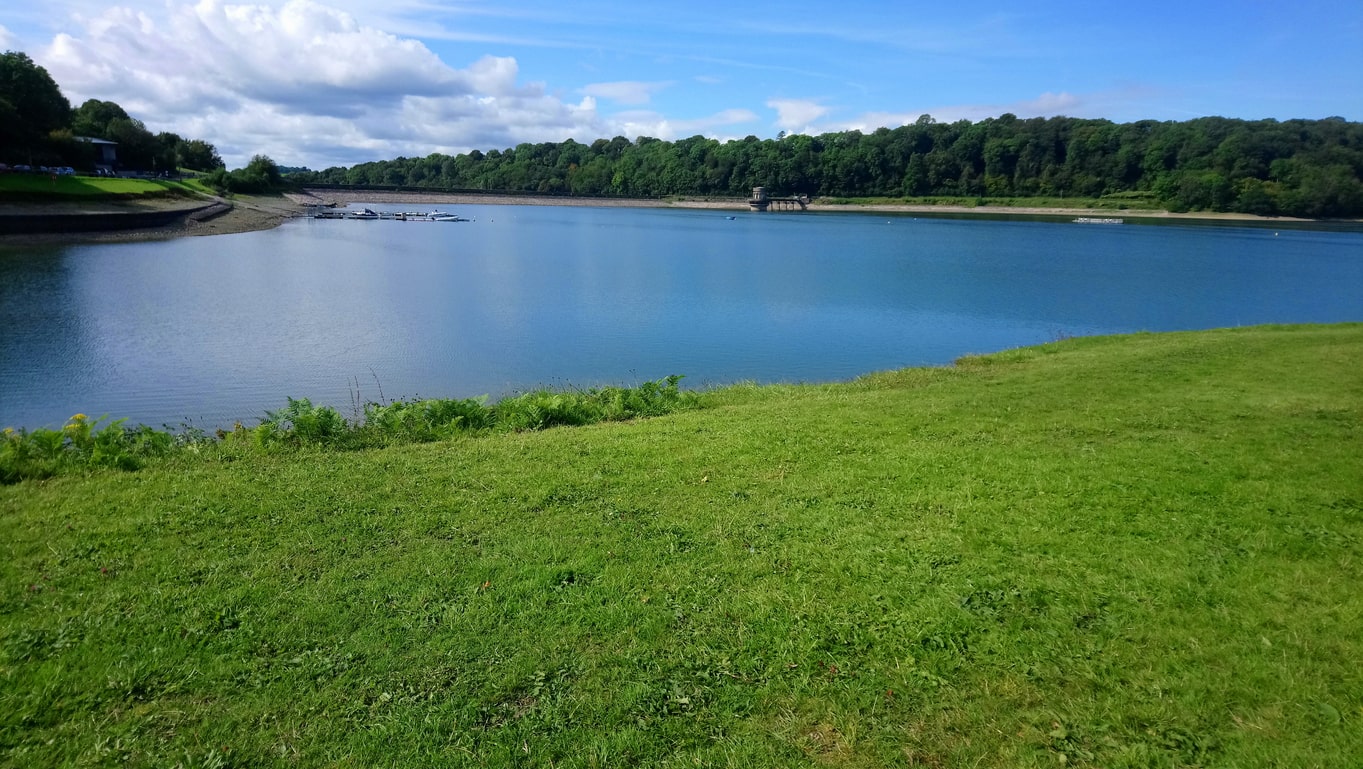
1093,220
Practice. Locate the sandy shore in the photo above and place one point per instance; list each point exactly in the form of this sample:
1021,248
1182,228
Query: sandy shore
252,213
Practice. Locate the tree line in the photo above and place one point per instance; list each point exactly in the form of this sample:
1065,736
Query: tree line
1309,168
39,127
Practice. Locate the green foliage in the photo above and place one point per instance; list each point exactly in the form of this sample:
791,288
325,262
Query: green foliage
92,118
542,408
37,125
197,155
31,107
78,445
259,175
1295,167
301,423
423,421
137,147
44,453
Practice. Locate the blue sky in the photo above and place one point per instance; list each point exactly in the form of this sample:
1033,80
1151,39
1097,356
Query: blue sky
355,80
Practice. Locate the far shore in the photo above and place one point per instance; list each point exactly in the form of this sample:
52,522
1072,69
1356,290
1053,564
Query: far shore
255,213
347,197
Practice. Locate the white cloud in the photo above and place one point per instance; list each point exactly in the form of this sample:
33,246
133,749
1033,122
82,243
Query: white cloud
303,54
309,84
644,123
7,39
1049,104
797,115
1045,105
625,91
303,83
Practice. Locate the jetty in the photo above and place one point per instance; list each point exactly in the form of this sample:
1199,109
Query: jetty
366,214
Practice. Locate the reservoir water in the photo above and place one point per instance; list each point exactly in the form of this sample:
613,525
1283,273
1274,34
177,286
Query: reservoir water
211,330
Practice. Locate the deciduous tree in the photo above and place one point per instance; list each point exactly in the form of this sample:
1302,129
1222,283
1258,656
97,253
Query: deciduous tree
31,105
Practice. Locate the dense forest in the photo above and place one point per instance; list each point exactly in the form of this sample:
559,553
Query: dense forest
1309,168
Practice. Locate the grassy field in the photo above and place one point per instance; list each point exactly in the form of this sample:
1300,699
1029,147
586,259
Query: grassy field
16,186
1140,551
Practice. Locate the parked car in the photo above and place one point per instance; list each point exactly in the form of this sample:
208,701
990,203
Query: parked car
66,171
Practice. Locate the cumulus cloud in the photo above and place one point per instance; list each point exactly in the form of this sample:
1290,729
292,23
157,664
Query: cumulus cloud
644,123
302,82
797,115
7,39
301,54
625,92
311,84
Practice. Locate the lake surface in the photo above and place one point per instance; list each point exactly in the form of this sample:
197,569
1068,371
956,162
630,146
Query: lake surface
214,329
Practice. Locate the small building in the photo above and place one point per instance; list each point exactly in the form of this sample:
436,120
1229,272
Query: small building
761,201
106,152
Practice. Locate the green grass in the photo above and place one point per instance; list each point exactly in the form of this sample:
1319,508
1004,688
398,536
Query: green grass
16,186
1112,552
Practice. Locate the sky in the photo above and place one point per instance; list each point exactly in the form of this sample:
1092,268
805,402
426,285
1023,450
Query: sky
348,81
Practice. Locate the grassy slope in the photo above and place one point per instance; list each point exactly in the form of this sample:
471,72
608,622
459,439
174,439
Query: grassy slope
40,187
1138,551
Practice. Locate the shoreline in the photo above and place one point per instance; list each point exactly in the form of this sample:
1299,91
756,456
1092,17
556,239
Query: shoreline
346,197
240,214
258,213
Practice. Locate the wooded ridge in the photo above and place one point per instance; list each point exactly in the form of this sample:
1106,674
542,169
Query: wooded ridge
1307,168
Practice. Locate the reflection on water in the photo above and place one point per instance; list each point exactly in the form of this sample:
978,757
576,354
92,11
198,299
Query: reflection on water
211,330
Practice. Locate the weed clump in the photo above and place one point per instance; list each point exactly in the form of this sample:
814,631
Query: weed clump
544,408
79,443
44,453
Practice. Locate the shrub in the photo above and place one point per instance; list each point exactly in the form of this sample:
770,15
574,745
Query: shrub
42,453
302,423
81,443
542,408
425,420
